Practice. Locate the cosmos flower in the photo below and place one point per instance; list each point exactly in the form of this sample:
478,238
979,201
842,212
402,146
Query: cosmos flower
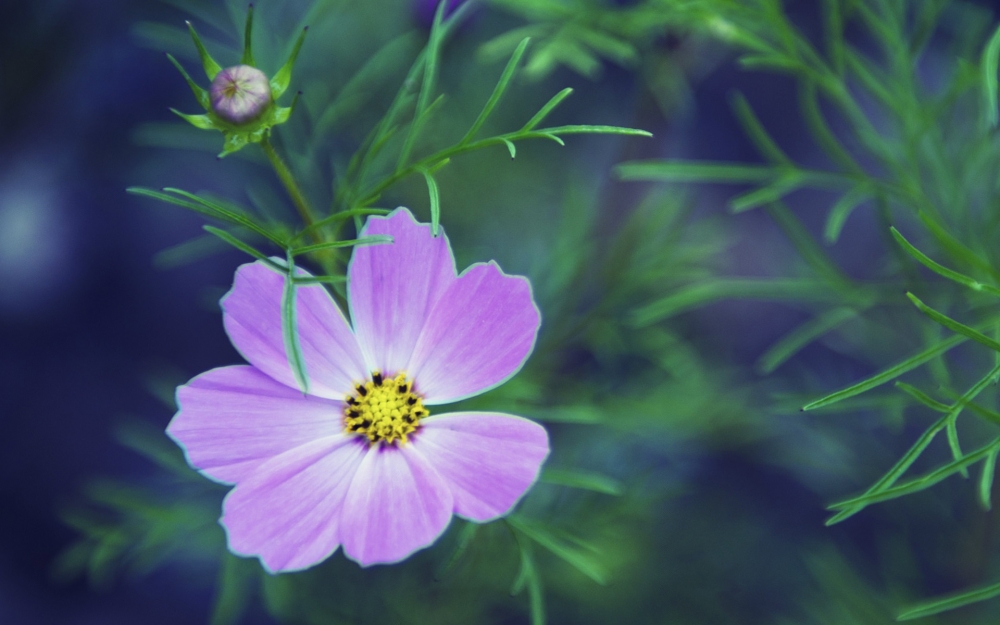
360,461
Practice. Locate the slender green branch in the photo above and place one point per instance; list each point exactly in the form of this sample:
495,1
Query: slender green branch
288,180
429,163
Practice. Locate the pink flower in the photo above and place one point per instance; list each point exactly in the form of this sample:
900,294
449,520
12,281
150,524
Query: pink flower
359,461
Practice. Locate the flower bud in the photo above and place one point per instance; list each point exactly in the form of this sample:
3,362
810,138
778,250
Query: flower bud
240,94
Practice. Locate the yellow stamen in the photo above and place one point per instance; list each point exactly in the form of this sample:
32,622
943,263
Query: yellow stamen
384,409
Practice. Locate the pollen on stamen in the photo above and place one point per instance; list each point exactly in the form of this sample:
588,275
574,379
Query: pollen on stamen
384,412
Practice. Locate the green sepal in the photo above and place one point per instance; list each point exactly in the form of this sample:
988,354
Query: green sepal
211,67
279,84
282,113
247,58
198,121
234,142
199,93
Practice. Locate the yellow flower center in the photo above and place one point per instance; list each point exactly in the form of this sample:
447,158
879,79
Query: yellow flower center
384,409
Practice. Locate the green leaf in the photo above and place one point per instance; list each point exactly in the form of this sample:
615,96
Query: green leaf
842,209
986,480
765,144
920,483
778,189
290,329
955,247
545,110
211,67
580,129
498,91
200,94
918,447
988,64
510,148
889,374
528,576
553,138
583,413
435,200
560,546
375,239
922,397
953,325
585,480
227,213
281,80
247,58
243,247
810,250
950,602
951,429
707,291
794,341
941,270
833,30
895,472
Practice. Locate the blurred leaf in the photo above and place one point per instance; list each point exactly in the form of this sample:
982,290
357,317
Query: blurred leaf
691,296
582,479
797,339
232,589
465,538
988,63
560,545
986,480
842,209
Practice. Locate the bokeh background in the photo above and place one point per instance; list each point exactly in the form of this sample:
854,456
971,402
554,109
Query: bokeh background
721,483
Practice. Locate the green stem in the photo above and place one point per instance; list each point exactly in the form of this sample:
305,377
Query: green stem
287,179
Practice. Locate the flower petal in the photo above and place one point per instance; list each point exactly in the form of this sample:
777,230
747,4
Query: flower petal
393,287
489,460
287,512
397,504
252,316
477,336
232,419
